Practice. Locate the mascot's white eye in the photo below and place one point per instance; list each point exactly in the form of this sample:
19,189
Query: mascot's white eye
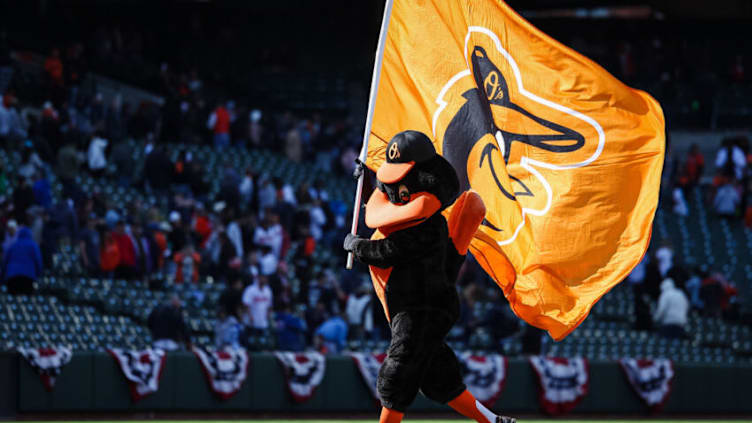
404,194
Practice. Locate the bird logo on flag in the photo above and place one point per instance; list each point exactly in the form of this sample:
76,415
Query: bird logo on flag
493,128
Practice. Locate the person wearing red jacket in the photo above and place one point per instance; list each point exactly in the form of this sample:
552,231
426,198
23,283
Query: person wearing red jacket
126,268
219,124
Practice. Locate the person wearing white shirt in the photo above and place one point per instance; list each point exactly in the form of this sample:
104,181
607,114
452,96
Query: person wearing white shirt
236,237
268,261
726,200
246,187
358,312
665,259
258,298
673,307
269,233
95,156
680,204
318,220
738,159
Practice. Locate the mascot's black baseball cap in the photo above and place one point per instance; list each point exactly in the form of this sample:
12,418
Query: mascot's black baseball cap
402,153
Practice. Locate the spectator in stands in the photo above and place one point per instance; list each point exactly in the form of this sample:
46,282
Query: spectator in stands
122,159
5,123
31,163
89,245
146,250
331,335
187,263
23,198
636,279
679,203
290,330
234,233
167,326
12,124
219,124
228,329
727,200
95,156
267,195
267,261
359,312
22,263
671,314
730,160
270,233
67,170
711,294
158,170
258,299
126,268
53,66
42,190
255,129
231,298
109,255
11,234
322,290
694,165
179,234
294,146
247,188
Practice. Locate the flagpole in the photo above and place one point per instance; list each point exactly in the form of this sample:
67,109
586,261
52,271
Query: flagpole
367,132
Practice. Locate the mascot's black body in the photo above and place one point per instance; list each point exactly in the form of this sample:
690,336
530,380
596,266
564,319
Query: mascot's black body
414,258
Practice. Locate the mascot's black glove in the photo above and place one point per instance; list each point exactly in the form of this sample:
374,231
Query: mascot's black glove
351,241
358,169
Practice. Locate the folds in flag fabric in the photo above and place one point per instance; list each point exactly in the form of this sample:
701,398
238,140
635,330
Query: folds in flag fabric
142,369
47,362
485,376
566,158
564,382
303,372
650,379
369,365
225,370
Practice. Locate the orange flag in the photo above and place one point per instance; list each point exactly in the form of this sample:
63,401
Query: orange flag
566,158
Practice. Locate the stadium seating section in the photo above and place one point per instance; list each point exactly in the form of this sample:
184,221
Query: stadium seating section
92,314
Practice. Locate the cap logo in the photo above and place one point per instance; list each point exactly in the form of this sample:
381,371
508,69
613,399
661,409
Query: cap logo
394,152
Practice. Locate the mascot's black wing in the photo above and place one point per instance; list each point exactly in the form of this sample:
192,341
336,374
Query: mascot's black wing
403,246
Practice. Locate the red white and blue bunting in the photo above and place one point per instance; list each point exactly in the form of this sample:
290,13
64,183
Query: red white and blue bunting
142,369
303,372
484,375
650,379
225,370
47,362
563,382
369,365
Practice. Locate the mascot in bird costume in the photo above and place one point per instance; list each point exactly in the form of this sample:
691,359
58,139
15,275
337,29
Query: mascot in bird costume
414,257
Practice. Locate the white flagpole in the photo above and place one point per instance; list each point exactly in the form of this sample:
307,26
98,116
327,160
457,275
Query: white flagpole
371,105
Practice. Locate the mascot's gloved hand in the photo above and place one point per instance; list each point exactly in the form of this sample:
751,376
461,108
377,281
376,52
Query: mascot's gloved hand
358,170
351,241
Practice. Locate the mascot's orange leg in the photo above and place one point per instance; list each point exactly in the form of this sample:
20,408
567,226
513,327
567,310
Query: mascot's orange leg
390,416
468,406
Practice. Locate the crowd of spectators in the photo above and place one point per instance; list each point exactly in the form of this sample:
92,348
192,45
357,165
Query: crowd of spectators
257,231
665,292
727,184
252,234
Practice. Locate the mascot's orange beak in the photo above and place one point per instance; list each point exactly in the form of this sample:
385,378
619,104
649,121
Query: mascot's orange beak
384,215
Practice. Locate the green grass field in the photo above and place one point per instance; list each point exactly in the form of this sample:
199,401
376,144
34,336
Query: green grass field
408,420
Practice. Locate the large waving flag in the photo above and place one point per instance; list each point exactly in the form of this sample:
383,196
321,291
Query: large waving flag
566,158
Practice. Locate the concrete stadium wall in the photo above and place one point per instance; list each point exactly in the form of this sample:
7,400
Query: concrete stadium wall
93,382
